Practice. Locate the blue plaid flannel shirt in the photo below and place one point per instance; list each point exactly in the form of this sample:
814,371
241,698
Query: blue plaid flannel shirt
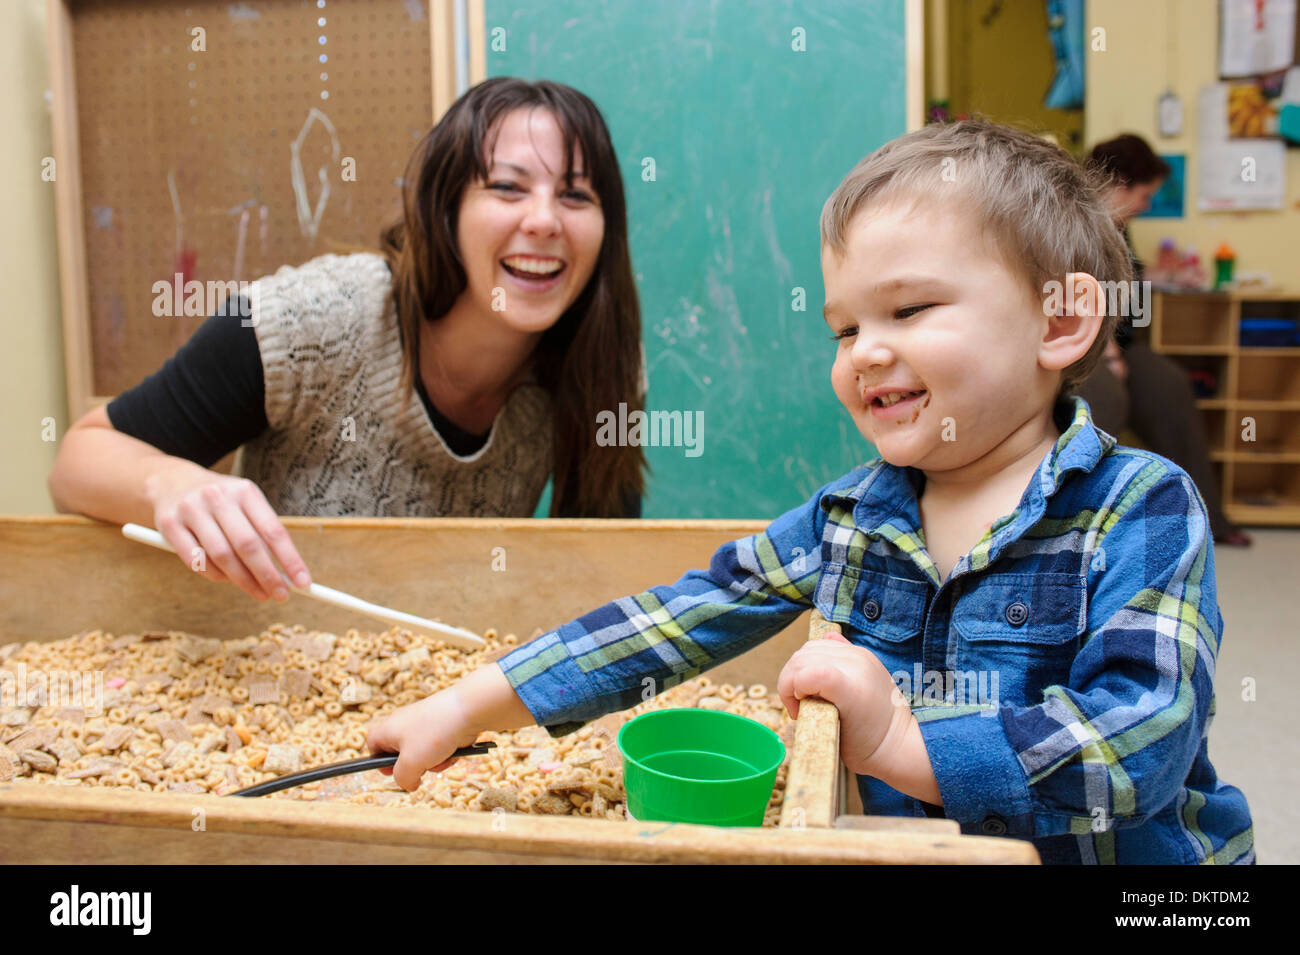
1062,676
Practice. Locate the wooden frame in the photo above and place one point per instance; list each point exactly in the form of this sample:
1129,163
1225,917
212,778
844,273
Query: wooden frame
1206,326
914,59
814,796
439,567
442,36
69,212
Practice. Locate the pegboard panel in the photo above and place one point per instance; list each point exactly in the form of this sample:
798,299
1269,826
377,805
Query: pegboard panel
222,155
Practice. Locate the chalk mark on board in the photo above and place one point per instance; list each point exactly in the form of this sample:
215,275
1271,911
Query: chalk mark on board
668,355
780,264
243,210
308,218
176,208
239,244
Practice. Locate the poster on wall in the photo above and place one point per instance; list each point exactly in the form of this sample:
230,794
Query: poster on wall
1235,174
1259,60
1256,37
1254,107
1242,174
1168,202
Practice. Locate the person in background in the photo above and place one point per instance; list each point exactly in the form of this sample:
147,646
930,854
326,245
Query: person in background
451,374
1134,387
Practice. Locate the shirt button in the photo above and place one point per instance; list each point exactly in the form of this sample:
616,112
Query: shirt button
871,610
993,826
1017,614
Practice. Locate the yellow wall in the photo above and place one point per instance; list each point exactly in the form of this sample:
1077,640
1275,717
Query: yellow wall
31,358
936,50
1123,85
1001,68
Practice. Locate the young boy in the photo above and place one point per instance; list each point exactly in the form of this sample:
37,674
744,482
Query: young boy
1043,598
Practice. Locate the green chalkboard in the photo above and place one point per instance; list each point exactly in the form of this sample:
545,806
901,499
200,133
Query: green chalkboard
748,134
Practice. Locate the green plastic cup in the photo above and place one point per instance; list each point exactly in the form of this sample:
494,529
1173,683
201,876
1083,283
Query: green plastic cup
699,766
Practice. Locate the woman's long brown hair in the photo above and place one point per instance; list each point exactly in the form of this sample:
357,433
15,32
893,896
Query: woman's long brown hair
590,360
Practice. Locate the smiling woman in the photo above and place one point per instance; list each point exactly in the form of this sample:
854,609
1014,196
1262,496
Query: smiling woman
502,298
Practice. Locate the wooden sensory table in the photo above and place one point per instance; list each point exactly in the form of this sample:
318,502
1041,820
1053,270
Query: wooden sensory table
63,575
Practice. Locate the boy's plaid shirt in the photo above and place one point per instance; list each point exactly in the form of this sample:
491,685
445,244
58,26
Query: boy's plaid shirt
1062,675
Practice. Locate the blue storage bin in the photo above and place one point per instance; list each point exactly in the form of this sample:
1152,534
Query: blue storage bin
1269,333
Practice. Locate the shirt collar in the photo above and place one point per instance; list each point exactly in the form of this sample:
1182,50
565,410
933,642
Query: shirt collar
884,503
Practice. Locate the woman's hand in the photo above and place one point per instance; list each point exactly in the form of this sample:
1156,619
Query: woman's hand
223,528
872,708
423,735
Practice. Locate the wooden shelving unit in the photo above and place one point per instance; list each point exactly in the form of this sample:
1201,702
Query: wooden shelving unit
1259,479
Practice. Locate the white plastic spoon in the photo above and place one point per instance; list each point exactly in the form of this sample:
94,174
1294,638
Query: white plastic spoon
452,635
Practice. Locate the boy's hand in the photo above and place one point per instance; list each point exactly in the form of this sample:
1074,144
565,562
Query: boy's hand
424,734
874,716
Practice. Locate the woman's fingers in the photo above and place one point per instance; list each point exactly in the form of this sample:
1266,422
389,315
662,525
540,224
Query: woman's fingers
188,550
267,524
219,552
249,547
223,528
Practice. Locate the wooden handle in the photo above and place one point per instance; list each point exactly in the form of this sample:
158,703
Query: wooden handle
812,787
452,635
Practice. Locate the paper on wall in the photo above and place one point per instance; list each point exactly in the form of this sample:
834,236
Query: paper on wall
1242,174
1234,173
1256,36
1212,113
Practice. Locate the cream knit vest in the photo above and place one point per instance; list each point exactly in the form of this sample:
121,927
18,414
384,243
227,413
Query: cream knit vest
339,443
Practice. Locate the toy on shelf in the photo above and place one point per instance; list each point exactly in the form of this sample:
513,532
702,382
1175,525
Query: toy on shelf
1224,261
1177,270
1181,270
1191,272
1204,382
1163,272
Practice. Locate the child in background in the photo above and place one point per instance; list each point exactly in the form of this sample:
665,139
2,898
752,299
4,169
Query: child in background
1039,600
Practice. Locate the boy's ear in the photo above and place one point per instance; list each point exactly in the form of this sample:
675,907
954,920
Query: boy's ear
1074,313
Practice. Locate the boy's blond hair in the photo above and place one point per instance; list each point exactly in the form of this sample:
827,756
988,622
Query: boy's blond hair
1043,210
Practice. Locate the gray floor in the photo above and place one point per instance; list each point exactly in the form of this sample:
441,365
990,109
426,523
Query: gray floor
1253,744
